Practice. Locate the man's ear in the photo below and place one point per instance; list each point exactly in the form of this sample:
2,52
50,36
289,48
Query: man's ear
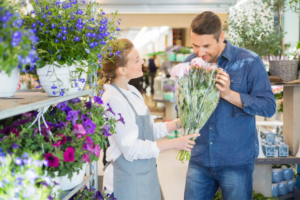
222,36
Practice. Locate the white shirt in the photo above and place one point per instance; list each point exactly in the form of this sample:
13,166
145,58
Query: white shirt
125,141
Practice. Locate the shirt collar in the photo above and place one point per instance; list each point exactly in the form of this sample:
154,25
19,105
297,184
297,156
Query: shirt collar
228,51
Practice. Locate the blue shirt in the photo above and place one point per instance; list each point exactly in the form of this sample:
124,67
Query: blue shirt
229,137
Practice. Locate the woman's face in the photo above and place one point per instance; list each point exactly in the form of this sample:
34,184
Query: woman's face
134,65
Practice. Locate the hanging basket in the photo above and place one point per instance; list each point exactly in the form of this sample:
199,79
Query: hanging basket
9,84
56,80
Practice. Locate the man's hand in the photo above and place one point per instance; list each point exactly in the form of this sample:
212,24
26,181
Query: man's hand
224,79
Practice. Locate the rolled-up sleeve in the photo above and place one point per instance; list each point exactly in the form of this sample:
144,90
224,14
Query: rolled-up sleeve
260,99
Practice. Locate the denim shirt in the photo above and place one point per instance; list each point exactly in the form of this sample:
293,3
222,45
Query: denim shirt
229,137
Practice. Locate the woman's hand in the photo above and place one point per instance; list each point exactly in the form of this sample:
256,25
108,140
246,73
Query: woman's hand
185,143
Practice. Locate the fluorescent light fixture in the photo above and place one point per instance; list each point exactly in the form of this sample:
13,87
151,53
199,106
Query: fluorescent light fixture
143,29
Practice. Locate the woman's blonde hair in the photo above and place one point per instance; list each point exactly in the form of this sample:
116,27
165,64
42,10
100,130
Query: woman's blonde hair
118,59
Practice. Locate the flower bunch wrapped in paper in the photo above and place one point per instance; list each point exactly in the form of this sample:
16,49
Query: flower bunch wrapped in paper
197,96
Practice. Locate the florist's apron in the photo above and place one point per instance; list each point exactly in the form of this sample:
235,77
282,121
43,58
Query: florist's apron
137,180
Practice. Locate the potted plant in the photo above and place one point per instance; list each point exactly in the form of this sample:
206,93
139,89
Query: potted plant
169,92
171,53
72,136
87,194
72,43
22,178
285,69
15,48
182,53
254,29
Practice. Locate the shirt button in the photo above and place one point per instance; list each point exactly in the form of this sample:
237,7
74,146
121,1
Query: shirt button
211,142
244,104
210,128
231,80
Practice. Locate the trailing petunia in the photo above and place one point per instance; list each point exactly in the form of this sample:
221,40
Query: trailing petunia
69,155
52,161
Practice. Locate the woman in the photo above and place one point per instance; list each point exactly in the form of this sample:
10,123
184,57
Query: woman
132,173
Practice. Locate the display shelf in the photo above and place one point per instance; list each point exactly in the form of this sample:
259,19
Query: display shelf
28,101
277,160
269,123
284,84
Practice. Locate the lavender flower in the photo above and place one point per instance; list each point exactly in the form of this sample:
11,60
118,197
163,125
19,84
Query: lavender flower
106,130
109,109
72,116
89,126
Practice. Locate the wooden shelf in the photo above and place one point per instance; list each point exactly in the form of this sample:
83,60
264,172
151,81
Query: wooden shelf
277,160
28,101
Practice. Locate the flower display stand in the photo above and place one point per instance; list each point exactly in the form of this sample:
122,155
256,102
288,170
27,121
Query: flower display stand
28,101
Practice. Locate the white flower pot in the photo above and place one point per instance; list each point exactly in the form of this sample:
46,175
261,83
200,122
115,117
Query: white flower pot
9,84
64,77
67,184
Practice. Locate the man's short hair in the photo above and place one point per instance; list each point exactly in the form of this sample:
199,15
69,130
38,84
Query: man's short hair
207,23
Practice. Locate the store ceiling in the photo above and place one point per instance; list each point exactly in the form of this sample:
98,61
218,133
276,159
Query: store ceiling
165,6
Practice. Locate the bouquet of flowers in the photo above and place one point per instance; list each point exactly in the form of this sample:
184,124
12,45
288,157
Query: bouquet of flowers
197,96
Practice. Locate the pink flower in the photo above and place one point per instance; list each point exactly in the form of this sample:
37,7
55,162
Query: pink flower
95,149
79,130
180,70
211,67
85,158
198,62
69,155
61,141
51,160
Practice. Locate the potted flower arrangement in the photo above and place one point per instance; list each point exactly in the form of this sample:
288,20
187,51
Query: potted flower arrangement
182,53
171,53
72,43
169,92
22,178
87,194
71,136
15,48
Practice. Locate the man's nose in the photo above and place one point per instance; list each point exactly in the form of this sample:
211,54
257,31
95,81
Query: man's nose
201,52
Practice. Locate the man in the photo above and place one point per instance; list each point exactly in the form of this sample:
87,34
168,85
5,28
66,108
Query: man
166,66
224,154
152,71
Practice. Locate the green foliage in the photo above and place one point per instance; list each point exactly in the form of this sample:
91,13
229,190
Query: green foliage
184,50
23,181
256,196
89,194
258,34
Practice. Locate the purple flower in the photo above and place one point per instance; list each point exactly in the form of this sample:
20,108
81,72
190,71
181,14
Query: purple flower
61,106
18,161
53,25
98,100
56,41
89,126
69,155
79,130
121,119
95,149
98,196
105,130
67,109
85,158
59,35
88,105
75,101
51,160
15,146
64,38
109,109
72,116
76,39
84,119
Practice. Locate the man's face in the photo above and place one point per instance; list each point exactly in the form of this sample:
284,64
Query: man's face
206,46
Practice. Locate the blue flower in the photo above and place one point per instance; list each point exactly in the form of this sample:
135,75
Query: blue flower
99,55
1,184
42,24
53,87
33,25
15,146
74,2
76,39
87,51
88,34
72,17
103,13
95,44
64,38
59,57
118,29
54,93
65,32
83,1
56,41
53,25
102,42
82,80
18,161
59,16
79,12
79,21
47,7
91,45
25,155
59,35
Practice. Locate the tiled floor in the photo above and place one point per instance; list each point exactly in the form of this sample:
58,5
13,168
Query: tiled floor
171,172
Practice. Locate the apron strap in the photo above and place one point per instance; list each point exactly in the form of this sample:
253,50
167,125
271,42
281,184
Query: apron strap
115,86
